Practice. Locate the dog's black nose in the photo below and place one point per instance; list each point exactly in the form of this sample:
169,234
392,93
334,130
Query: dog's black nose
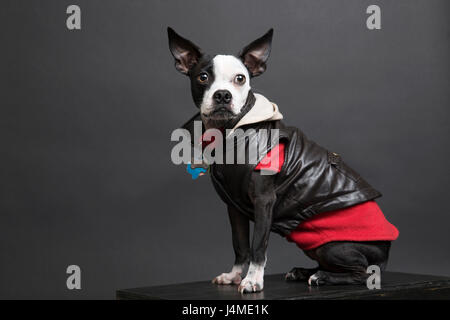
222,96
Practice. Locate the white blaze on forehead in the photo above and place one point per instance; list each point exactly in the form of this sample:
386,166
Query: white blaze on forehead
226,68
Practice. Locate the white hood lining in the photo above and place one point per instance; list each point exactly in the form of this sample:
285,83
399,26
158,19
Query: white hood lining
263,110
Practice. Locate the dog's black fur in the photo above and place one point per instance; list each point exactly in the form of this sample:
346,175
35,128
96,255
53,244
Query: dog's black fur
338,262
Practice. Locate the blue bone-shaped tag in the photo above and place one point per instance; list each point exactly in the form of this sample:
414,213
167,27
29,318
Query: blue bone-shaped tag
195,172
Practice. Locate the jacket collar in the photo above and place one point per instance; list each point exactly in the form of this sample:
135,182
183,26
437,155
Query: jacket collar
262,110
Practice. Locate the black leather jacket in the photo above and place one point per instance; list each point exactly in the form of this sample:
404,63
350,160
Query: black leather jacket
312,180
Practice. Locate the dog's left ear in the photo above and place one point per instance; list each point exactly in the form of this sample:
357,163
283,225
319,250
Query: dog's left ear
255,55
186,53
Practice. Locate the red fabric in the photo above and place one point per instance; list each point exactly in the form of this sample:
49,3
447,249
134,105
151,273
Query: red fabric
362,222
273,160
208,138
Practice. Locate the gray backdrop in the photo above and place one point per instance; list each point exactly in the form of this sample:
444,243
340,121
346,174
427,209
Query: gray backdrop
86,118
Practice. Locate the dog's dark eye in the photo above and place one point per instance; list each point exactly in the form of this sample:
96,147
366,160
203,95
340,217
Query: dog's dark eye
239,79
202,77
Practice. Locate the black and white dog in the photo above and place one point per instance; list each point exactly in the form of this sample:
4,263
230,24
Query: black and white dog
313,187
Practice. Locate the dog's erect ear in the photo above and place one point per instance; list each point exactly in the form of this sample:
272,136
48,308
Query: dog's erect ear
255,55
186,53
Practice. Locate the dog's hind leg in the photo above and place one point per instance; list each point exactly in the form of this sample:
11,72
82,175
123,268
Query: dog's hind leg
300,274
332,278
347,262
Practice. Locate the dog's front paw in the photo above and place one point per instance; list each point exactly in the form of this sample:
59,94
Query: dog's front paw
228,278
249,284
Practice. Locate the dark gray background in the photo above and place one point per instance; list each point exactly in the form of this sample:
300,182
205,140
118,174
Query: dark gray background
86,118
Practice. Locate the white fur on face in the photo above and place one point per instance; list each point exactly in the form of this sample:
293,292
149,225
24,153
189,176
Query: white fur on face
226,68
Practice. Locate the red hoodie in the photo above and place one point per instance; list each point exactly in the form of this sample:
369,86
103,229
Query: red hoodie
361,222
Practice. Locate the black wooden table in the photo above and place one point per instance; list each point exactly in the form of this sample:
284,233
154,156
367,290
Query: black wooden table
394,285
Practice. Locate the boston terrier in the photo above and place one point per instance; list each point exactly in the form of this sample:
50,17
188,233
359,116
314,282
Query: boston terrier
311,196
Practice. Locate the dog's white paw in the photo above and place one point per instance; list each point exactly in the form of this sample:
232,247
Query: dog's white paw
254,281
228,278
317,279
250,284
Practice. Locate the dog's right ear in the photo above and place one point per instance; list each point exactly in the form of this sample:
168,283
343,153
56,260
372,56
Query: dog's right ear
186,54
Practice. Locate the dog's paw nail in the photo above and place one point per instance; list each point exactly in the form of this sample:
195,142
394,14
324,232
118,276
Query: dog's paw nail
248,286
313,280
289,276
243,288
